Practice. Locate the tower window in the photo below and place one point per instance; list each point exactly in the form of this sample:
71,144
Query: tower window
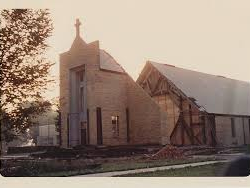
81,76
80,85
115,125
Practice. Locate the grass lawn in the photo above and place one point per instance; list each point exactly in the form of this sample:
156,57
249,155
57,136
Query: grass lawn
211,170
55,169
125,165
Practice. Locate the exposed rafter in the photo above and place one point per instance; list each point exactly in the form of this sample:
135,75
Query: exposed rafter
155,84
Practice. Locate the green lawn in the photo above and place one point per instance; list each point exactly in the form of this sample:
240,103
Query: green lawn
211,170
125,165
55,169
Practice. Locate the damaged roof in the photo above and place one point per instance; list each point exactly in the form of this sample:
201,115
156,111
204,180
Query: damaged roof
216,94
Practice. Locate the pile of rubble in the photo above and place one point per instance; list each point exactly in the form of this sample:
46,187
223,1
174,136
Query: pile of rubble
173,152
199,150
168,152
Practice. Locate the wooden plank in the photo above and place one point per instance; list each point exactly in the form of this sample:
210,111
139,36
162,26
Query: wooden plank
174,98
211,120
185,127
161,92
152,79
182,121
147,75
176,126
232,115
196,124
191,124
197,138
146,88
149,87
203,130
157,85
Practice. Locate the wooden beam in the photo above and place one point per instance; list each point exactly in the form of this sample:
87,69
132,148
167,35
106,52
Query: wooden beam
191,124
174,98
157,85
187,129
203,130
182,121
149,87
161,92
145,86
176,126
231,115
211,120
154,79
197,139
162,87
147,75
174,92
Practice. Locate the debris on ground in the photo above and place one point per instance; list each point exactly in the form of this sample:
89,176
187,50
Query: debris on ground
168,152
199,150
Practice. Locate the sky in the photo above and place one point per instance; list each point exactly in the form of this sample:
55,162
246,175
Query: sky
210,36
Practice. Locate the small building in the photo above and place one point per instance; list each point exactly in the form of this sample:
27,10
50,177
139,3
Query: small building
202,109
47,135
100,103
44,132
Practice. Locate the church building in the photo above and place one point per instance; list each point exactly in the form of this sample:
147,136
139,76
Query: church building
202,109
100,103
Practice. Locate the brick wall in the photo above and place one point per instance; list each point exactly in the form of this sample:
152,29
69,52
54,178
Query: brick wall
145,116
109,92
224,132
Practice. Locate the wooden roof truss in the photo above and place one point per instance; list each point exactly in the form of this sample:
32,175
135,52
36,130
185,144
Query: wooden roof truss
156,84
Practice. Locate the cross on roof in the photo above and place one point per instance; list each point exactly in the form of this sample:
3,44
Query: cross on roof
77,25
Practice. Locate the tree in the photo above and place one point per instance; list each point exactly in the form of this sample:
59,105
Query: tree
58,122
24,70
